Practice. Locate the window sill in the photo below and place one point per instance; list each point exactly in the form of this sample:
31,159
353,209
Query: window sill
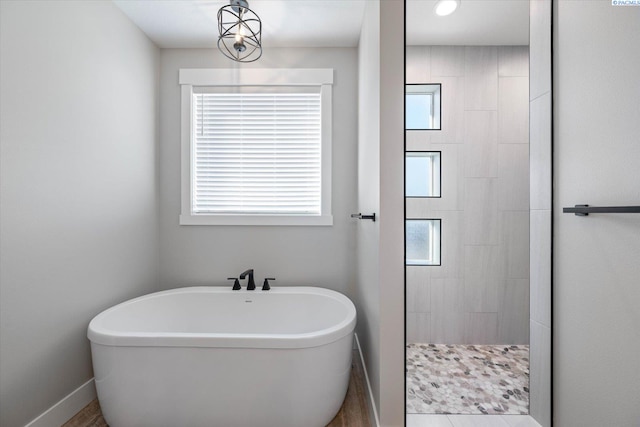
257,220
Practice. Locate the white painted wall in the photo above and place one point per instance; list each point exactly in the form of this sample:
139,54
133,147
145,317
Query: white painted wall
380,280
78,189
367,293
392,322
596,258
540,211
207,255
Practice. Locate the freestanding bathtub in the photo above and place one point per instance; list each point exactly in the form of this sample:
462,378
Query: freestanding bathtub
210,356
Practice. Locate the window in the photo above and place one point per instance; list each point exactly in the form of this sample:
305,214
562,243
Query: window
422,241
422,104
256,147
422,174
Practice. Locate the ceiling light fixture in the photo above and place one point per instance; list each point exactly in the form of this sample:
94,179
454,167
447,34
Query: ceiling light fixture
446,7
240,32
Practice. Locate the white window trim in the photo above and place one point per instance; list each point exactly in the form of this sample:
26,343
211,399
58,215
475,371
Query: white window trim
189,77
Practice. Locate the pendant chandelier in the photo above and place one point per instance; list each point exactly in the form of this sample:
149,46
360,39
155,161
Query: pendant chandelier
240,32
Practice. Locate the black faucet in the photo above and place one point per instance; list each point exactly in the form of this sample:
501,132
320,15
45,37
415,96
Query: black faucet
251,285
236,283
265,285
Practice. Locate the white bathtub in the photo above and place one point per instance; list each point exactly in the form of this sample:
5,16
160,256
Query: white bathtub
210,356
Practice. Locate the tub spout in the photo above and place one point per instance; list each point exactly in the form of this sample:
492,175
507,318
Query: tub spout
251,285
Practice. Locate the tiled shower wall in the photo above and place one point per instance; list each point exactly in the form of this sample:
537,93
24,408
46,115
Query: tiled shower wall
540,202
480,292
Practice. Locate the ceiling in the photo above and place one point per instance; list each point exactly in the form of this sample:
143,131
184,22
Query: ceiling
285,23
329,23
476,22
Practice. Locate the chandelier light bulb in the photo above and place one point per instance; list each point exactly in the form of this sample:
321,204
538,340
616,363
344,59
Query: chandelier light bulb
240,33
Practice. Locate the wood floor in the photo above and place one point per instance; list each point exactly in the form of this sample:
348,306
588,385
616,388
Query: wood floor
354,411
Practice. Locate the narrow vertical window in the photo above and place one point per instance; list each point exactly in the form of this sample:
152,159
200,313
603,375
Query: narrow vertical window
422,174
422,106
422,241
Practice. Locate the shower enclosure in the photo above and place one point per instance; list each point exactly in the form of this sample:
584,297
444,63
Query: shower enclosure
467,212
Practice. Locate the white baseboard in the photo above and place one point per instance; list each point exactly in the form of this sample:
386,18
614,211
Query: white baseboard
70,405
64,410
373,412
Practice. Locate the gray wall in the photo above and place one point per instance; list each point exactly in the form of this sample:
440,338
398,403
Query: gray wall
78,189
540,213
207,255
596,258
480,293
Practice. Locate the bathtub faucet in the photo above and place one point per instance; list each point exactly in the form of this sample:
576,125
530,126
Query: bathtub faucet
251,285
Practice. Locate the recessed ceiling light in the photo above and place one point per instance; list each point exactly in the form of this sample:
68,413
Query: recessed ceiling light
446,7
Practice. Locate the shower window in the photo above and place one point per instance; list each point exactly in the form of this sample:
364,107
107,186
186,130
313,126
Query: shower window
422,174
422,241
422,105
256,147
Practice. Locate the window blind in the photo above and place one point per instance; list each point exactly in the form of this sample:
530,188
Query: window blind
257,153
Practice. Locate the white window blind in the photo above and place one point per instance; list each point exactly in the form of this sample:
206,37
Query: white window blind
257,152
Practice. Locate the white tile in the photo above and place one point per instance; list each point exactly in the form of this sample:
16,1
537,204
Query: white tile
513,177
520,421
513,110
540,153
513,312
418,327
540,260
484,261
447,311
452,249
481,211
452,182
481,78
481,328
428,420
447,295
418,140
447,61
452,114
417,205
514,238
540,373
418,289
540,47
513,61
483,271
481,144
418,64
452,173
477,421
481,294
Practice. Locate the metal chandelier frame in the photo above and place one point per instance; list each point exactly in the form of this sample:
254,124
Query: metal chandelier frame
240,32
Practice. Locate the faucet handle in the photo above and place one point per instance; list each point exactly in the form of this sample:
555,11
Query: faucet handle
236,284
265,285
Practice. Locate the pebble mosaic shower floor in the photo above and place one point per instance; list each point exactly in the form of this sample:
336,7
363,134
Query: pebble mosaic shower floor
467,379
